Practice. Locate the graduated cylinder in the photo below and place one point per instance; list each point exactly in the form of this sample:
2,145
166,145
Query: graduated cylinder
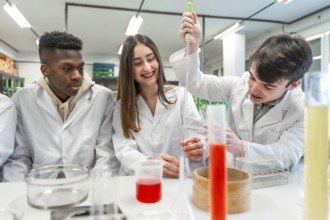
216,122
316,146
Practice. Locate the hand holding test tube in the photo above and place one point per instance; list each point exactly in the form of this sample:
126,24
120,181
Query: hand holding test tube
188,35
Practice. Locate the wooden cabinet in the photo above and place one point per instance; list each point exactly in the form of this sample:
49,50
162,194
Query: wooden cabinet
10,83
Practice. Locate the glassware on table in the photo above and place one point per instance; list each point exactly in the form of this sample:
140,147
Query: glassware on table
317,96
148,180
180,208
265,170
9,214
216,122
103,193
57,186
147,215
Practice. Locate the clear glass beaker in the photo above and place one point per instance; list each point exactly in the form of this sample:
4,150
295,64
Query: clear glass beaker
317,90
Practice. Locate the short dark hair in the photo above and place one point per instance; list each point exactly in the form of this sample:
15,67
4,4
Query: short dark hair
50,41
280,57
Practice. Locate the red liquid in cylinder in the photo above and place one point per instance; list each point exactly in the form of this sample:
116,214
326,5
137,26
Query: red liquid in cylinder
148,190
218,176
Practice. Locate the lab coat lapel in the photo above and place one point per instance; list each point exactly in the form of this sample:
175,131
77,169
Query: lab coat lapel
274,115
144,109
81,106
247,107
160,108
45,102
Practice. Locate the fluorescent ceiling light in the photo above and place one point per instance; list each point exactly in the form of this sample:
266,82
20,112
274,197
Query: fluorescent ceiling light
18,17
134,25
120,49
284,1
232,29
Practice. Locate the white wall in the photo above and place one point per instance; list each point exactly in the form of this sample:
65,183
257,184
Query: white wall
5,49
234,54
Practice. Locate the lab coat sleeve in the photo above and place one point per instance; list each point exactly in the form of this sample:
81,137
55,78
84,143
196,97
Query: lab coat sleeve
20,161
105,154
290,145
8,118
209,87
195,129
125,148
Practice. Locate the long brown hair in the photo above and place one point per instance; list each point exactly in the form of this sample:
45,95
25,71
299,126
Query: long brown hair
129,89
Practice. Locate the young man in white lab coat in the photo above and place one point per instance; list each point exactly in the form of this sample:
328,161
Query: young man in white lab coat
266,104
64,118
8,117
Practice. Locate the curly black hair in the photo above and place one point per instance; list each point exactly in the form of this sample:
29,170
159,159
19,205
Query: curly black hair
51,41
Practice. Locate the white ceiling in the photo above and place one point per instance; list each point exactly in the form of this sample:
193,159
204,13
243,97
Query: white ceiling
103,30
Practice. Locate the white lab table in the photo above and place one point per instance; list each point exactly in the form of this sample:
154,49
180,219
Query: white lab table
271,203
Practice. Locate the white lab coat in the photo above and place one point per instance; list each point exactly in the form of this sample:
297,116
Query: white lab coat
279,132
8,118
43,138
160,133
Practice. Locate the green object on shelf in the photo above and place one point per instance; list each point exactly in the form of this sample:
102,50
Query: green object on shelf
15,85
203,102
103,73
104,77
8,88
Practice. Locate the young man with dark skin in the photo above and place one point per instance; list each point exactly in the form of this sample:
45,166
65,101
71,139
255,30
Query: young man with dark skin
266,105
65,118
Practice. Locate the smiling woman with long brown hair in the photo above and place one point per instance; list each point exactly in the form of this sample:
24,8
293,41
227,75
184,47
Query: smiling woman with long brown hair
148,117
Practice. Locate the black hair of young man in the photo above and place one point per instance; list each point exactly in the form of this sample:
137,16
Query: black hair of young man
282,56
50,41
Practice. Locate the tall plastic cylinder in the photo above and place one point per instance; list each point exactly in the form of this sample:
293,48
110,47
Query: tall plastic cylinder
216,122
316,146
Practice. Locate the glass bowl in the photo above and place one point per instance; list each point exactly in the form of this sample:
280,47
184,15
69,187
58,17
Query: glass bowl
57,186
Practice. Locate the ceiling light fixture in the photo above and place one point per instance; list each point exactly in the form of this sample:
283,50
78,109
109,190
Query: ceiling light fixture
284,1
15,14
134,25
232,29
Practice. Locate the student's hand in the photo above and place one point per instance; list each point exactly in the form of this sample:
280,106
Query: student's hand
192,148
234,145
190,24
171,165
